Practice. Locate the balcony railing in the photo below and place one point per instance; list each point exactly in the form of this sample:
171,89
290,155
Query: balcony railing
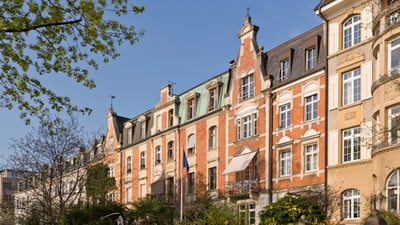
387,18
242,187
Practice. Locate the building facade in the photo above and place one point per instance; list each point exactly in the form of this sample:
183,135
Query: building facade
226,129
362,60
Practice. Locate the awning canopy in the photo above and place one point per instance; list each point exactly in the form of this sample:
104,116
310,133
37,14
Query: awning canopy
239,163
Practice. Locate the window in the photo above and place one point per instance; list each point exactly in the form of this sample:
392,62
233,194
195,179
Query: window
311,107
110,172
394,124
212,178
212,137
247,214
143,160
247,87
351,204
246,126
351,144
128,164
352,31
129,195
157,155
143,191
284,70
170,187
129,135
191,183
311,58
143,129
170,151
351,86
159,123
393,192
110,145
191,144
213,99
191,108
170,118
394,55
310,157
285,115
285,163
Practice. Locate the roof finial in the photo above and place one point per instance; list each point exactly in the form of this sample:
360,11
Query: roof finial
111,107
248,12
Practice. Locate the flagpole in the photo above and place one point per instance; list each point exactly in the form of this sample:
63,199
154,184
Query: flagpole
181,202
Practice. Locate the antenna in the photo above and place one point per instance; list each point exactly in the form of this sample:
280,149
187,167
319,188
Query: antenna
111,105
172,87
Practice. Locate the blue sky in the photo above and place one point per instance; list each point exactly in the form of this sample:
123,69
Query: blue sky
185,42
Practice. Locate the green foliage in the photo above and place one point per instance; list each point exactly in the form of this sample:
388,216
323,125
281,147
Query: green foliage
289,209
390,217
98,184
93,214
53,36
151,211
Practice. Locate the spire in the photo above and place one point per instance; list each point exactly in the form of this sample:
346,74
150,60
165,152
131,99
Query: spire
247,19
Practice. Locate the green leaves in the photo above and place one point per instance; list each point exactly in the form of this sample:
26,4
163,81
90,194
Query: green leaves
49,37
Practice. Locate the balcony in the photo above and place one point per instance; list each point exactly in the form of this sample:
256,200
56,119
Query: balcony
242,187
383,79
387,19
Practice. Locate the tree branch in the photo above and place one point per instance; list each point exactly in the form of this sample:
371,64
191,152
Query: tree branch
19,30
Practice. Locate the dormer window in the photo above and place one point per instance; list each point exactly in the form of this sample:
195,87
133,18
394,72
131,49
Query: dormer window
284,70
191,108
213,99
247,87
311,58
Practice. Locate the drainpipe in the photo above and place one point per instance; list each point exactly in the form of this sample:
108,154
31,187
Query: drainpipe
270,129
326,36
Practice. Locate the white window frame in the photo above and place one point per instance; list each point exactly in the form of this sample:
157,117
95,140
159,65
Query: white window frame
285,114
351,204
157,155
285,162
394,124
351,144
212,137
143,129
212,178
129,164
351,86
284,69
129,198
393,191
311,157
191,149
110,170
110,146
246,126
170,150
191,108
142,159
311,58
394,47
352,31
311,107
247,87
213,99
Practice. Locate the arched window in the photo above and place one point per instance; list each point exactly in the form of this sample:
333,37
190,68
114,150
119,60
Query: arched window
157,155
352,31
393,191
212,137
351,204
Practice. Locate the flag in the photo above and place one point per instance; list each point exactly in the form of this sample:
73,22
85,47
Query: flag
185,162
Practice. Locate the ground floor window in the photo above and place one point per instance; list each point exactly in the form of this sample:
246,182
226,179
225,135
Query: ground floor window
393,191
247,214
